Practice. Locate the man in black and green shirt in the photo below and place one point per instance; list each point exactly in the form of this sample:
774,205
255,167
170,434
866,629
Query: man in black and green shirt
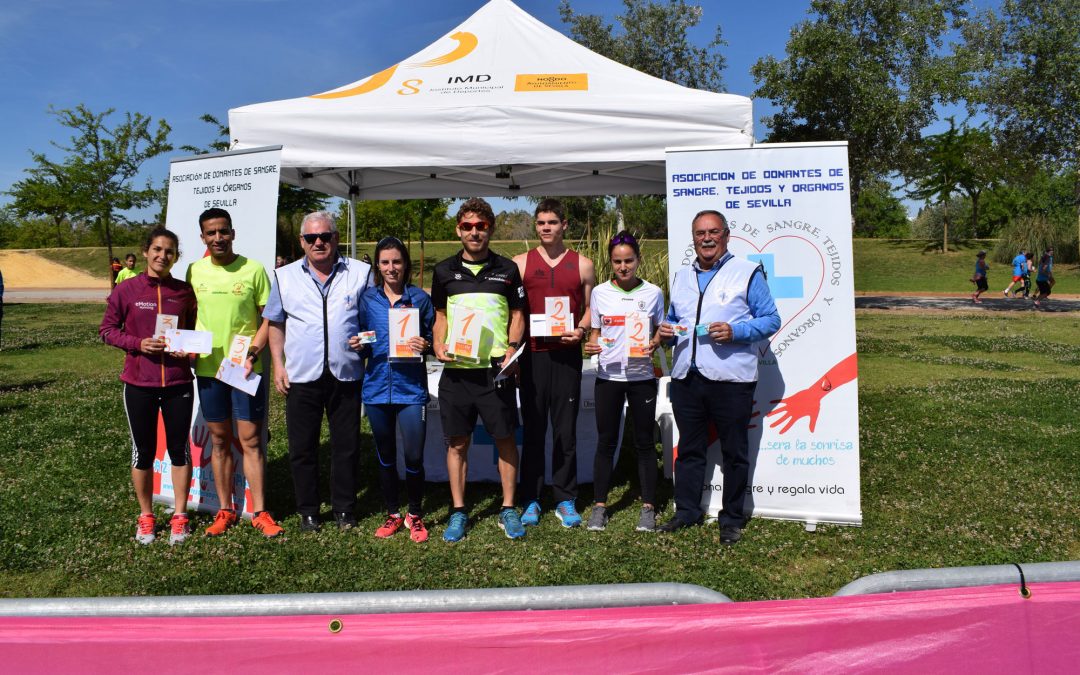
487,286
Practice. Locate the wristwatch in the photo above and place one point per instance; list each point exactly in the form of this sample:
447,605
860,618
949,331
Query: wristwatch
253,356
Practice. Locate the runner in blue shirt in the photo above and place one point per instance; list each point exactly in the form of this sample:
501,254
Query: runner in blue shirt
981,284
1019,264
1045,277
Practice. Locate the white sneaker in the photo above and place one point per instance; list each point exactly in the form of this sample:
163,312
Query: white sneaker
180,529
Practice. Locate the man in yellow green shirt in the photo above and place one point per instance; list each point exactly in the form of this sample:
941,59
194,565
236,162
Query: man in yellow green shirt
231,291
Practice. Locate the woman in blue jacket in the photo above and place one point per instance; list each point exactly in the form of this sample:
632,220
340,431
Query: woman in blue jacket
395,389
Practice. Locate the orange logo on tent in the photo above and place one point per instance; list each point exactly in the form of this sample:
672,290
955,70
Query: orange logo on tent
466,44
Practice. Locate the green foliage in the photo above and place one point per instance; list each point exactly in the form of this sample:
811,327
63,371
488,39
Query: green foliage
1027,60
103,162
866,71
935,443
1036,233
406,219
878,213
645,215
653,40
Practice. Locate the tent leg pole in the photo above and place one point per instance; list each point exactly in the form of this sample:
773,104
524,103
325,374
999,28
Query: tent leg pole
352,227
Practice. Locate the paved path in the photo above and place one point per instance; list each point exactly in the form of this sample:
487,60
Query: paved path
990,303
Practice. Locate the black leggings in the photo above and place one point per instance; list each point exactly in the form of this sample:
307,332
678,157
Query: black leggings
142,405
609,396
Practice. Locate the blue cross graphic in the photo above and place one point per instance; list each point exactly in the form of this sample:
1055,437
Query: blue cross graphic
781,287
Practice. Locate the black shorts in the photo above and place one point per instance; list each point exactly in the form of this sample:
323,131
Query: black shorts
981,284
1044,288
466,392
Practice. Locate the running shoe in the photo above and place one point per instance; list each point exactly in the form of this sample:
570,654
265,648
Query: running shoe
417,531
393,523
531,516
455,527
567,514
647,520
510,522
144,528
264,522
180,529
224,519
597,519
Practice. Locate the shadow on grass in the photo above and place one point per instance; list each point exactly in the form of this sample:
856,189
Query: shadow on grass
31,385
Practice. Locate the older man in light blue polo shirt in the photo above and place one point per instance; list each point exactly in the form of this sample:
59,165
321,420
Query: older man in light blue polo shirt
313,341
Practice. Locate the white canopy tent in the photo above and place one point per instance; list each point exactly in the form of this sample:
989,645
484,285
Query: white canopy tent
500,106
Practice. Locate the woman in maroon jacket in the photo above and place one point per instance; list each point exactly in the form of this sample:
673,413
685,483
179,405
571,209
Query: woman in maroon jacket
155,380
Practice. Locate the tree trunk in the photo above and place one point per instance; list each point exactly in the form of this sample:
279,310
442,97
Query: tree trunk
945,232
975,214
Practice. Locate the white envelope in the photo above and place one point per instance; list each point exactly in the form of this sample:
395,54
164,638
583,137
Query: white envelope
190,341
232,374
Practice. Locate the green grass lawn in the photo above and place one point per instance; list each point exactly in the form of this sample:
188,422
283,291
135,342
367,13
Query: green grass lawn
968,428
918,266
881,265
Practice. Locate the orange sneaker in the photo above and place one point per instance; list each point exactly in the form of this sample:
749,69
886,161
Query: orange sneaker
417,531
393,524
144,528
264,522
224,519
178,524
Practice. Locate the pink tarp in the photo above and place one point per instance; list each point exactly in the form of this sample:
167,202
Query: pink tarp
983,629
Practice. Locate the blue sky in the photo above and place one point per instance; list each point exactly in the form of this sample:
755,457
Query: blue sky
179,59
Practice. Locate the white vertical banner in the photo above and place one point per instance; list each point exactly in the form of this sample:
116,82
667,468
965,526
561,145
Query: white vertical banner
244,183
788,207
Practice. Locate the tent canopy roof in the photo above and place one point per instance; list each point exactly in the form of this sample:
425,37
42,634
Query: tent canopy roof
500,106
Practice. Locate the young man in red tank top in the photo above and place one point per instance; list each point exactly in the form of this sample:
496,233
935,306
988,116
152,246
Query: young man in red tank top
551,367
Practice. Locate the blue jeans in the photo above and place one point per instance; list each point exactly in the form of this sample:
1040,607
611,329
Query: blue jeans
412,418
697,401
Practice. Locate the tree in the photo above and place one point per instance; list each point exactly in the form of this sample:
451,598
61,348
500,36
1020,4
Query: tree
1028,79
866,71
939,172
653,40
43,194
102,164
878,213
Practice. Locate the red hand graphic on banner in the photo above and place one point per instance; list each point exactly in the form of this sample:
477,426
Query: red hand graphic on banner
807,403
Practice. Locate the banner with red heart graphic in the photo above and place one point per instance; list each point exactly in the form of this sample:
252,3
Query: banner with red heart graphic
788,209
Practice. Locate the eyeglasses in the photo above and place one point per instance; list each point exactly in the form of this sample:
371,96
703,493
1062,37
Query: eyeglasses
479,225
700,234
324,237
549,222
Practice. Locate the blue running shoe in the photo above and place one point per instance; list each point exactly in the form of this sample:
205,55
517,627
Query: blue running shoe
531,516
455,527
510,522
567,514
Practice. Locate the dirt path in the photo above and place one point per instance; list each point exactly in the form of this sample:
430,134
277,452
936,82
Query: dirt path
30,278
24,270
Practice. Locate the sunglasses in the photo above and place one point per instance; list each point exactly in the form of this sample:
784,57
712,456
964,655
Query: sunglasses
324,237
623,238
479,225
